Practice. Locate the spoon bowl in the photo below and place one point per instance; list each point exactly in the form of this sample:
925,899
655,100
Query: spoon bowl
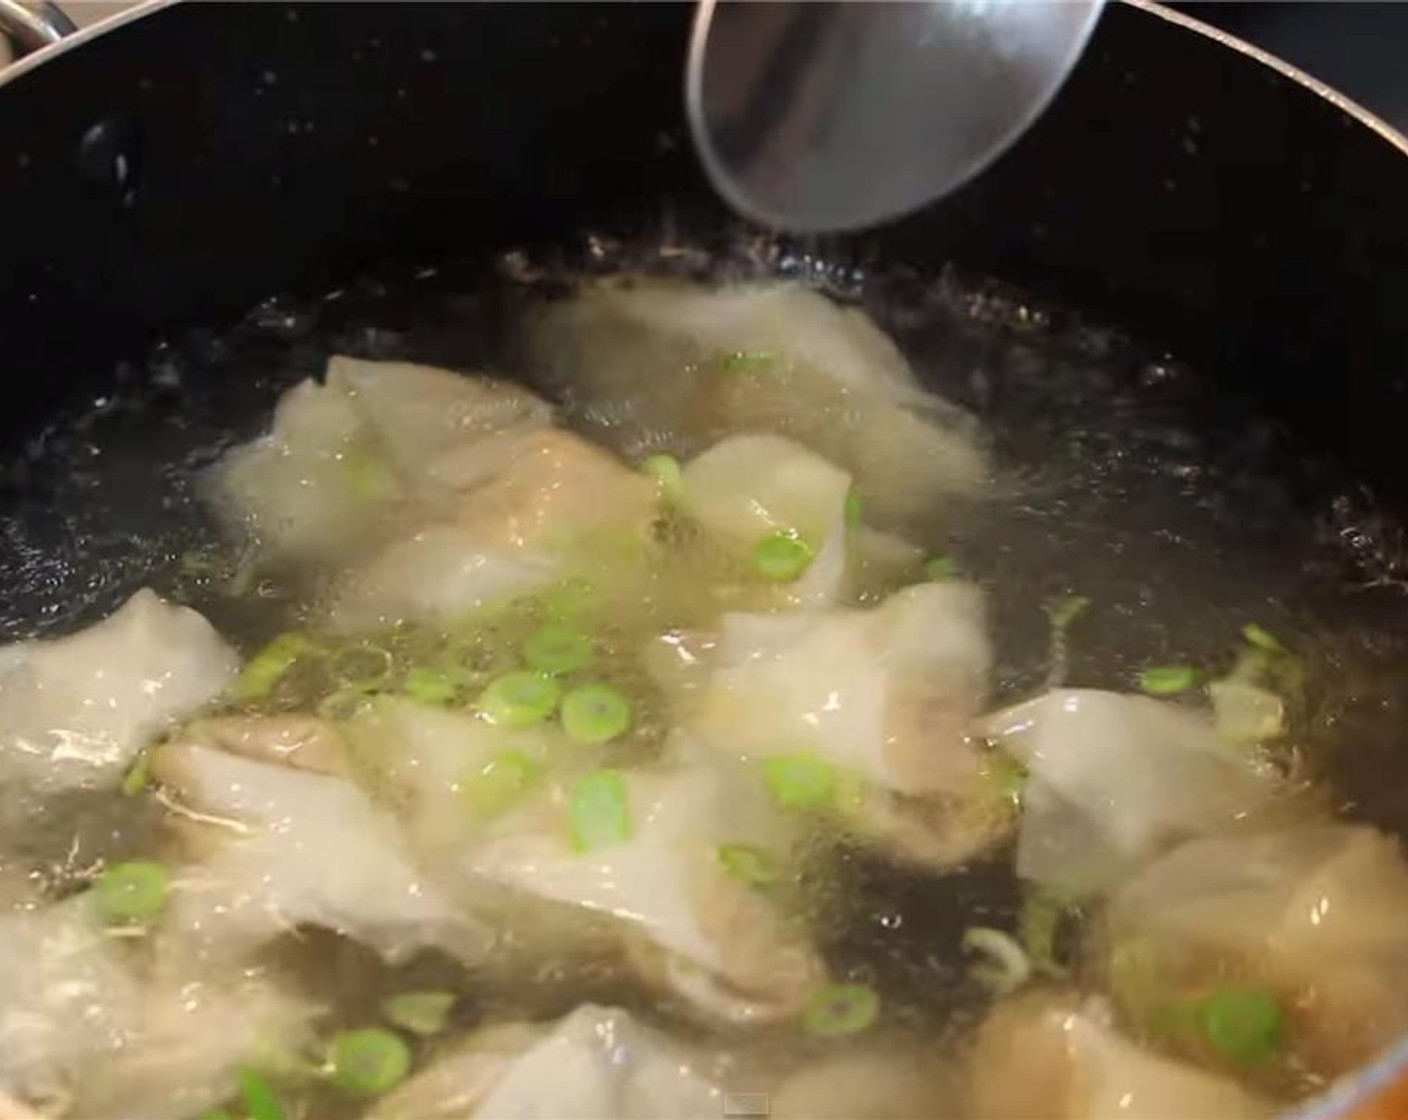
839,114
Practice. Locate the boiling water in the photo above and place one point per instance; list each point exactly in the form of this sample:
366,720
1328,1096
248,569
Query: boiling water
1179,513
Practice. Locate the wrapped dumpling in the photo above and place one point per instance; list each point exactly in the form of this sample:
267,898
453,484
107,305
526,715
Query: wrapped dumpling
554,504
344,454
662,361
1114,780
1316,915
670,879
83,1034
1044,1055
879,699
886,692
749,489
434,764
75,711
596,1062
287,847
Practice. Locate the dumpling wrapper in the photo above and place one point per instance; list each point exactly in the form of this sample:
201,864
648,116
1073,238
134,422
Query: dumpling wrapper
747,488
883,1079
75,711
1115,779
343,455
553,504
428,755
1319,913
1053,1057
597,1062
294,848
886,692
664,363
689,924
82,1033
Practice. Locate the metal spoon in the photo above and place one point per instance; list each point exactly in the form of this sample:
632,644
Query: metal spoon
816,116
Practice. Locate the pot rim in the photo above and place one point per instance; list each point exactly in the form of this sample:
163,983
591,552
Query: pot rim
1351,1090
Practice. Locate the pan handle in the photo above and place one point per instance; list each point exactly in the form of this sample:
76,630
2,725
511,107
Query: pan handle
29,27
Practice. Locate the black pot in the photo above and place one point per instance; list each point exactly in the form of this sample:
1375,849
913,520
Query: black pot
172,170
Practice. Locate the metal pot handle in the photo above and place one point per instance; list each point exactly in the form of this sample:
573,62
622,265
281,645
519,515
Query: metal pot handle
30,27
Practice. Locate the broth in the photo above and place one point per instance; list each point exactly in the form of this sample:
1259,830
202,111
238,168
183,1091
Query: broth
1120,477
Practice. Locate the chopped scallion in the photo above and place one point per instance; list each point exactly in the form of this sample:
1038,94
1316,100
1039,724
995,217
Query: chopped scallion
258,1097
422,1013
266,668
371,477
1242,1024
132,893
741,361
1168,680
940,568
838,1010
522,698
364,666
1065,609
1263,639
781,556
854,509
557,650
600,811
595,713
749,864
138,775
800,781
1008,773
1007,966
430,686
668,475
499,784
368,1062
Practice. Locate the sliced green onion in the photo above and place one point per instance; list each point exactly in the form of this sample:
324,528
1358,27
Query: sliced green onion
1007,967
499,784
741,361
854,509
371,477
595,713
1245,712
800,781
1008,773
750,864
422,1013
1242,1025
434,687
364,666
940,568
1168,680
1065,609
138,775
266,668
559,649
838,1010
600,811
368,1062
668,475
522,698
781,556
1038,926
1263,639
132,893
258,1097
